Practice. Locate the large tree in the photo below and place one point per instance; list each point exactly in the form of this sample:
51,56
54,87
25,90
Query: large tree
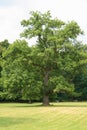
53,54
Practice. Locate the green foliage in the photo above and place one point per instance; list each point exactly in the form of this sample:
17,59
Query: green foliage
53,52
17,76
3,46
47,68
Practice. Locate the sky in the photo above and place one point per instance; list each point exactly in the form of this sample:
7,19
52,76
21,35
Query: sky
12,12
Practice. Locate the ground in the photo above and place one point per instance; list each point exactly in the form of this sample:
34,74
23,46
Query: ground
58,116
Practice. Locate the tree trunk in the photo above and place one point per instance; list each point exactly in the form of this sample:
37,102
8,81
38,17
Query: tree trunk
45,90
46,100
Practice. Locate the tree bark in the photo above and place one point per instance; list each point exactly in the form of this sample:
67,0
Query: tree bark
46,90
46,100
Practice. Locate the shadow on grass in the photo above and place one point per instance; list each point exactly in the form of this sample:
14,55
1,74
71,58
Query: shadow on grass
70,106
27,105
59,104
9,121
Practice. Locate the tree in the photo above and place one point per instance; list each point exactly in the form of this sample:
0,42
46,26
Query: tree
80,77
3,46
53,54
18,75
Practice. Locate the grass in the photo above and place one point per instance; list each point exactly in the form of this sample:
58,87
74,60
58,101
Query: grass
59,116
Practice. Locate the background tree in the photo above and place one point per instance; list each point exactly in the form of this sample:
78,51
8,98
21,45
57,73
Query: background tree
3,46
80,77
18,75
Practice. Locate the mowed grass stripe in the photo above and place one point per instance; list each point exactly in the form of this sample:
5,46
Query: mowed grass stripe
65,122
59,119
60,116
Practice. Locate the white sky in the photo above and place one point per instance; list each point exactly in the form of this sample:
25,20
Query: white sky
12,12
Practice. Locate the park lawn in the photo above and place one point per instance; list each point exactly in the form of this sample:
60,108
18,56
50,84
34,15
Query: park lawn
58,116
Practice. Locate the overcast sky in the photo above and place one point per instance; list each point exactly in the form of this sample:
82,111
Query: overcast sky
12,12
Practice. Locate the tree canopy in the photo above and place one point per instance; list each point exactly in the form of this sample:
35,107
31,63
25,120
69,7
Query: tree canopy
48,68
54,53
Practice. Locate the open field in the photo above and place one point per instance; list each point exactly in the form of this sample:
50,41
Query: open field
60,116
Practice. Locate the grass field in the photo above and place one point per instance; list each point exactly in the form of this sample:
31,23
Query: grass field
59,116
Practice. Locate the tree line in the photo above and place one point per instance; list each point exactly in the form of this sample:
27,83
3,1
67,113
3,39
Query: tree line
54,69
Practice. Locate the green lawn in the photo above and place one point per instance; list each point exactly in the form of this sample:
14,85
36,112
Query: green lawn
59,116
